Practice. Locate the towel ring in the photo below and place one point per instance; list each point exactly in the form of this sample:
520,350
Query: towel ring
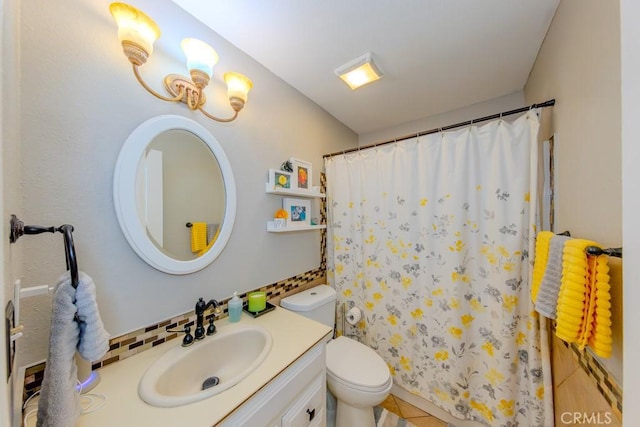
18,229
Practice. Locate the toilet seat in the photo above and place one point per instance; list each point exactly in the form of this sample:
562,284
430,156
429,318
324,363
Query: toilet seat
354,387
356,366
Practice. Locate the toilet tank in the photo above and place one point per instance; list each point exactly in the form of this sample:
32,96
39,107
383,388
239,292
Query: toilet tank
317,303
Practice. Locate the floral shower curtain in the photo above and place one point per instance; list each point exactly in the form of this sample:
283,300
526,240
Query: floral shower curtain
431,238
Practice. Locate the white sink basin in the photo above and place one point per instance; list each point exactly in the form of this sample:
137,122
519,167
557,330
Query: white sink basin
177,377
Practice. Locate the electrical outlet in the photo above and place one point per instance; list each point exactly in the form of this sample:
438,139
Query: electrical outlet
10,323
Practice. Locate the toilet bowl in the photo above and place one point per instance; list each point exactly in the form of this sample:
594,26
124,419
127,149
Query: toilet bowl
356,375
358,378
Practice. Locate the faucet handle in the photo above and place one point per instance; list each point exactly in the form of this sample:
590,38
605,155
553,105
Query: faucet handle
188,338
211,329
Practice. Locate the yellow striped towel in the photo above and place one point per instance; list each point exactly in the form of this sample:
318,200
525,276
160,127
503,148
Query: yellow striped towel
584,310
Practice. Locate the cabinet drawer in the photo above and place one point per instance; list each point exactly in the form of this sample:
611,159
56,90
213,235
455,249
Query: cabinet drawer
309,409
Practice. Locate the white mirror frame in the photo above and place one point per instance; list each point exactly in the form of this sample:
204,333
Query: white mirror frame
124,194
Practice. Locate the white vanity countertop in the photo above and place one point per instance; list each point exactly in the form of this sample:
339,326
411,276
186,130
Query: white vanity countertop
292,336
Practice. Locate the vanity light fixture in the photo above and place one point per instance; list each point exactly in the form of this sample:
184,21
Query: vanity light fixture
137,32
359,71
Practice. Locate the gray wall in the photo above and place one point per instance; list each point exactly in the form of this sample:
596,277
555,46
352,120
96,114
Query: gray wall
80,101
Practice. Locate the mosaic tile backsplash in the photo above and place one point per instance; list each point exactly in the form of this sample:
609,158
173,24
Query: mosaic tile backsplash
603,380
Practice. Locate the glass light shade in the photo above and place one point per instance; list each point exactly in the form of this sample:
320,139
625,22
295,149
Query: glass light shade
200,56
238,86
135,26
360,76
359,71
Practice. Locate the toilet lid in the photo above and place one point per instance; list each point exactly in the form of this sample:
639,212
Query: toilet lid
357,364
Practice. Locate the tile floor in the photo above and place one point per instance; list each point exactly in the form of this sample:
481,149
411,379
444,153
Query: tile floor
409,412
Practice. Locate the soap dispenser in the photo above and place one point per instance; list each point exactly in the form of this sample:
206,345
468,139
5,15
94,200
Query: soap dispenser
235,308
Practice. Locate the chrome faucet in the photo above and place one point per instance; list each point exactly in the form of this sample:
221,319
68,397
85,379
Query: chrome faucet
201,307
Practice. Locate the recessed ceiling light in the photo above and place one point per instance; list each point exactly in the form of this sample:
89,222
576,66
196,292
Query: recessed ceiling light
359,71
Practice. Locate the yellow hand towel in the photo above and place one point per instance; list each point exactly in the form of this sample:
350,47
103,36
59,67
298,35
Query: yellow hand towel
540,261
198,236
600,338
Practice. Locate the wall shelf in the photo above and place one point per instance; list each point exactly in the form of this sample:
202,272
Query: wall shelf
272,229
299,193
290,192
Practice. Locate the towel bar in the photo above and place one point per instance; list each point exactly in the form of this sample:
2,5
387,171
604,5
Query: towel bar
595,251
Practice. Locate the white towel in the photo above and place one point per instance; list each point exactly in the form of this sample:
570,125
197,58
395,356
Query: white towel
546,302
59,403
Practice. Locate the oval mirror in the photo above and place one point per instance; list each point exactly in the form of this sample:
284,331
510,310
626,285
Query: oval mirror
173,179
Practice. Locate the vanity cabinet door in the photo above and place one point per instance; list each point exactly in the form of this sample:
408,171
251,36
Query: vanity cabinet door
301,386
309,409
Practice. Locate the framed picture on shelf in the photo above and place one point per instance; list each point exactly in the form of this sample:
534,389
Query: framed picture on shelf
299,211
303,174
280,179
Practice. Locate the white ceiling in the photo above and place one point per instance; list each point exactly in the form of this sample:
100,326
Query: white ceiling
437,55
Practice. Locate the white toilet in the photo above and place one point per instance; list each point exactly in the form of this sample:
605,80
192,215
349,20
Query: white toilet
356,375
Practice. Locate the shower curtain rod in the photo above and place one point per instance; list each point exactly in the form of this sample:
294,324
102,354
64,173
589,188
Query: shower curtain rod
549,103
